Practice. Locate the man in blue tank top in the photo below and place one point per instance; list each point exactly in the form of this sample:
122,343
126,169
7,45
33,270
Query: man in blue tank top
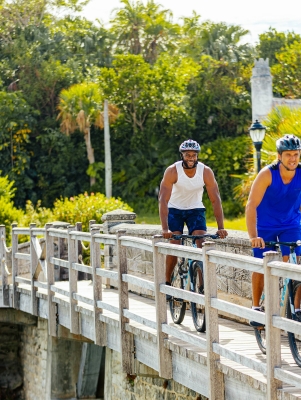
181,198
273,208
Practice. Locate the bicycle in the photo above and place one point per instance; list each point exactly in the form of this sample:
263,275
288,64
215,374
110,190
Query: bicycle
188,274
290,290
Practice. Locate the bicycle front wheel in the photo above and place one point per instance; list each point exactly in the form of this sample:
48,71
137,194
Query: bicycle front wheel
294,340
177,306
261,338
198,310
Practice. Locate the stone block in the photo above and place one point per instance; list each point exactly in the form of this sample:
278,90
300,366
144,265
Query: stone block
222,283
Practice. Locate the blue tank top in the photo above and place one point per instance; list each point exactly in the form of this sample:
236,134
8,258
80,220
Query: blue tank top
280,206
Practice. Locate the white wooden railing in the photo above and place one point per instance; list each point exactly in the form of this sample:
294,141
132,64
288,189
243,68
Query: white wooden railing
42,259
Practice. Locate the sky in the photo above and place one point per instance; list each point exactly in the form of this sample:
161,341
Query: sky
256,15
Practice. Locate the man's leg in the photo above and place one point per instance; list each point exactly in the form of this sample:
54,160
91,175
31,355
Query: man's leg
257,288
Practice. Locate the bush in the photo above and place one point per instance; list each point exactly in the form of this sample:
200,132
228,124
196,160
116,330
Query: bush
84,207
8,212
36,214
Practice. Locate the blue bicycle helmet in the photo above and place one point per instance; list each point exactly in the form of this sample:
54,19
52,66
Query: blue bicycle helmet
288,143
191,145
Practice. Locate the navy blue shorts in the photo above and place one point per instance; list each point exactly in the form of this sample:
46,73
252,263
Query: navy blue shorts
286,235
195,220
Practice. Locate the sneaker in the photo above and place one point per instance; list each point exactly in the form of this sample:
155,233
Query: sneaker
298,316
255,324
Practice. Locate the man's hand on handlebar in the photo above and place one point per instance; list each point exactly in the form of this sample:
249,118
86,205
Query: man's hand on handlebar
257,242
222,233
167,234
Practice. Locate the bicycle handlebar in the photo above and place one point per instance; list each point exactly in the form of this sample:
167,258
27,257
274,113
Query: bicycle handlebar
183,236
289,244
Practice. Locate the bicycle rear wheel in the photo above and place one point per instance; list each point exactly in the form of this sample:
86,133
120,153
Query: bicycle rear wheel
294,340
177,306
198,310
261,338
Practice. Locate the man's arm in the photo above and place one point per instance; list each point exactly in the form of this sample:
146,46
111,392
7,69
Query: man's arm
259,187
215,198
169,178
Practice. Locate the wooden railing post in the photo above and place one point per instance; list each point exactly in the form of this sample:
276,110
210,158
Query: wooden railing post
99,326
4,273
164,354
216,378
33,266
273,335
15,268
126,338
72,258
52,323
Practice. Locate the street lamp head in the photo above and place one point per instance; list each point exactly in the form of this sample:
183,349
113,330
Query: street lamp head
257,132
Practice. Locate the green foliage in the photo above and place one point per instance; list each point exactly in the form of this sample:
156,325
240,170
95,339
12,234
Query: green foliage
36,214
220,99
8,212
272,43
84,207
287,72
227,157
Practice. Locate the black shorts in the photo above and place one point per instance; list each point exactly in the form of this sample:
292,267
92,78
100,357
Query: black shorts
195,220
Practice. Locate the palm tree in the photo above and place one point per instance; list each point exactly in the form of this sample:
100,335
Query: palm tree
80,107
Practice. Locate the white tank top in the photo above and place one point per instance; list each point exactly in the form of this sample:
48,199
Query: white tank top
187,193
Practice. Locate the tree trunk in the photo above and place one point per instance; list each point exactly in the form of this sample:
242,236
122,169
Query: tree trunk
108,161
90,153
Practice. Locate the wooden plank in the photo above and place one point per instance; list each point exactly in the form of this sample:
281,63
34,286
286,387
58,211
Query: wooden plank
34,261
137,243
183,294
288,377
15,268
59,290
236,260
143,283
107,306
83,236
82,268
39,231
22,256
126,338
4,271
273,335
138,318
216,378
106,273
60,262
105,238
83,299
20,279
58,233
50,281
20,231
73,275
240,358
237,310
164,354
180,251
100,329
285,270
287,325
185,336
42,285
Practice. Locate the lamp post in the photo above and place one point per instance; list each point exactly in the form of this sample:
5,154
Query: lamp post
257,132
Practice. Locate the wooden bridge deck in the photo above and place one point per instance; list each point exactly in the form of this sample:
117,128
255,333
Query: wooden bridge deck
225,363
235,336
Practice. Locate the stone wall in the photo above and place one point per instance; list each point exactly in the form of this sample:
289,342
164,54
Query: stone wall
145,385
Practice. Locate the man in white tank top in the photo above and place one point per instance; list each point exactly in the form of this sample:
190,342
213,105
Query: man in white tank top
181,199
